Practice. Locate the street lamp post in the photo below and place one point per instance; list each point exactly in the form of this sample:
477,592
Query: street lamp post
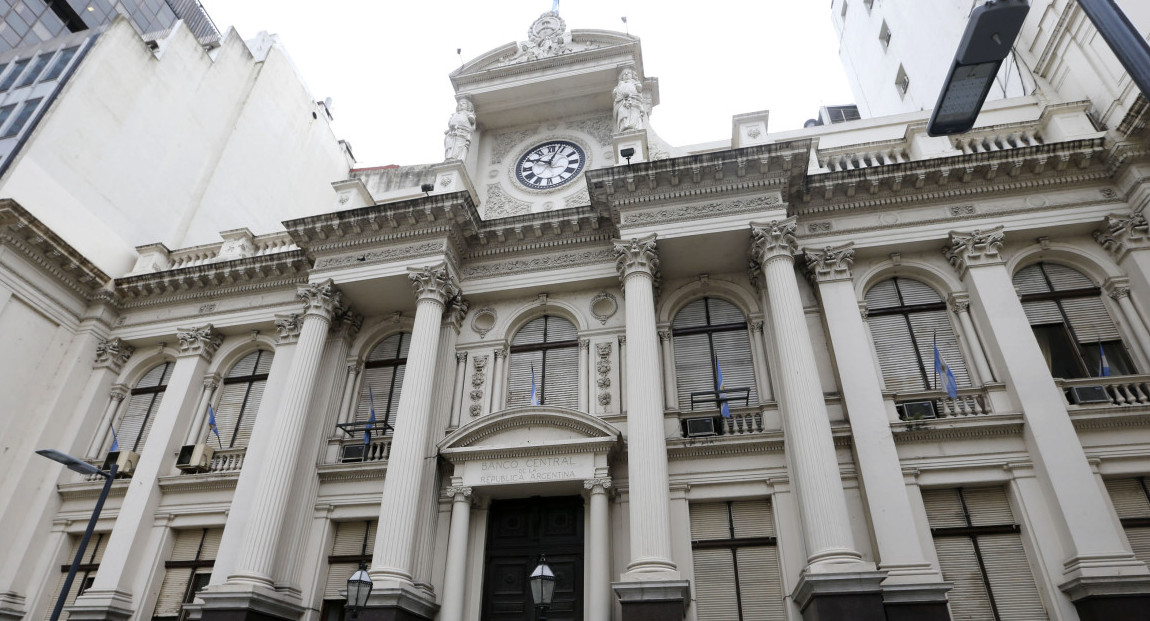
1123,38
542,582
83,467
358,590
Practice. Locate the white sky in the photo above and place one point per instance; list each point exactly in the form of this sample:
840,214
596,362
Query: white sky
385,63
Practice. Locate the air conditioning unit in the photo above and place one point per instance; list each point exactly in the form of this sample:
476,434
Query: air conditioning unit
700,427
917,410
1089,394
126,460
195,458
353,452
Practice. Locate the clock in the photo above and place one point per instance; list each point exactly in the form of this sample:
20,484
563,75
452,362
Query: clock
550,165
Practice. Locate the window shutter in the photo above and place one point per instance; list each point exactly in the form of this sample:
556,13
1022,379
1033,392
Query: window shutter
968,598
561,384
753,518
173,591
1066,278
915,292
337,575
1090,320
943,508
692,315
73,593
530,334
1030,280
519,367
227,414
1042,312
559,329
1011,580
132,430
1129,498
1139,537
715,595
692,367
760,584
211,545
896,354
883,295
351,539
247,421
933,327
723,312
988,506
709,521
733,349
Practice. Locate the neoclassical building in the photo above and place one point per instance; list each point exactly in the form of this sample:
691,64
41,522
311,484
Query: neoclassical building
845,372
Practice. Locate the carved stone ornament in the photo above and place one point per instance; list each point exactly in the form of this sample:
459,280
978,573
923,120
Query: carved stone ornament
637,256
287,327
631,104
1122,233
978,247
455,492
500,204
347,321
320,298
547,37
433,282
604,306
601,482
118,392
774,239
603,369
1119,292
959,305
199,341
478,378
831,263
483,321
113,353
456,310
457,138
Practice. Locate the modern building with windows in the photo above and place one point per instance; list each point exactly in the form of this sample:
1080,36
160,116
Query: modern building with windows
848,371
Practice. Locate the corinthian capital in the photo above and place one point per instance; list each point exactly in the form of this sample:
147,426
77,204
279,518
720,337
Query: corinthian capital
456,310
320,298
113,353
774,239
637,256
1122,233
199,341
433,282
287,328
967,250
830,263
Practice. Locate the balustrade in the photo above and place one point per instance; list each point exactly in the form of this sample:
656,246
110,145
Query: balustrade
937,404
1125,390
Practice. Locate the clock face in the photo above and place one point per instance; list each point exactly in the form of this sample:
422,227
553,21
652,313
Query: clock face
550,165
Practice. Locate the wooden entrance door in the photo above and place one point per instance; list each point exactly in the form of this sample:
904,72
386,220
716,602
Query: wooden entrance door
518,531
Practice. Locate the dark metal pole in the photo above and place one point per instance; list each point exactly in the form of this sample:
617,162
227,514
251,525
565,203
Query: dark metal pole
1123,38
111,476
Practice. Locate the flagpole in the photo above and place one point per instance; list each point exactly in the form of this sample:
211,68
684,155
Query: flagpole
934,352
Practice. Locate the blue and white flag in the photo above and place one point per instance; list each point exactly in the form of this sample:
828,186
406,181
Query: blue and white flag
370,419
942,370
115,441
724,407
554,6
212,425
1103,364
534,393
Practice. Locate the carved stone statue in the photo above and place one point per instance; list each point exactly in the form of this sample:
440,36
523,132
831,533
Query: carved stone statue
630,102
457,138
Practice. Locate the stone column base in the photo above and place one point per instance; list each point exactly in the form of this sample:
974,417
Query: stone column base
101,606
845,596
653,601
1107,598
916,602
229,602
401,603
12,606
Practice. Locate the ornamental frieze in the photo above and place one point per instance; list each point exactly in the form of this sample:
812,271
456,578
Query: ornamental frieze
541,263
706,210
383,254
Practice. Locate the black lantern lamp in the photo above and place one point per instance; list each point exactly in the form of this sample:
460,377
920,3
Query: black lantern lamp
358,590
542,587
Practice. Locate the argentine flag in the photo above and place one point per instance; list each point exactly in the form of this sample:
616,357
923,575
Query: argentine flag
534,393
724,407
942,370
370,419
1103,364
212,425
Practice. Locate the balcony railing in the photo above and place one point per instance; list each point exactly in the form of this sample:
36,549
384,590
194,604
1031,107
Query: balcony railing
354,449
1125,390
929,404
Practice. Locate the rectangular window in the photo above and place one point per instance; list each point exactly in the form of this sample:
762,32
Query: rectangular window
85,574
193,556
33,74
6,112
1131,498
61,63
902,81
353,545
736,561
980,550
17,69
25,113
884,35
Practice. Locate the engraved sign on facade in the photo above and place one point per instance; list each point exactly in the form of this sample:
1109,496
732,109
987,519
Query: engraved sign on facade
527,469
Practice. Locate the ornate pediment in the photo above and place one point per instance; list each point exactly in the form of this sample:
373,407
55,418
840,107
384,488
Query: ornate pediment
529,429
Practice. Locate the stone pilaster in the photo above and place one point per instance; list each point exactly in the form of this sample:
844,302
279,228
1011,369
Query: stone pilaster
393,559
598,574
960,305
458,391
1119,290
256,564
911,586
1097,564
455,576
666,341
650,566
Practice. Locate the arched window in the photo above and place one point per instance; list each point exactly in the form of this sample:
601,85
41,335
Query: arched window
240,400
383,379
547,346
907,319
1070,321
704,331
142,407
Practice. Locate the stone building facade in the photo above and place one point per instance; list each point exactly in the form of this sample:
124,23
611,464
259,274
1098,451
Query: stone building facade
845,372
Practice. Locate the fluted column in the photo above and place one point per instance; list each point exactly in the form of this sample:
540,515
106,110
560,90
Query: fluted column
351,385
960,304
1092,540
196,433
892,519
670,399
809,443
766,394
392,559
584,379
1119,290
256,562
457,393
100,438
497,382
638,266
455,576
598,573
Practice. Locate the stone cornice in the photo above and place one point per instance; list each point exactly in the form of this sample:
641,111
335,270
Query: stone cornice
486,68
958,175
24,233
966,428
213,279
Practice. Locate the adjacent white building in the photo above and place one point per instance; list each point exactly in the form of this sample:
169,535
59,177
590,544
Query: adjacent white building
844,372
